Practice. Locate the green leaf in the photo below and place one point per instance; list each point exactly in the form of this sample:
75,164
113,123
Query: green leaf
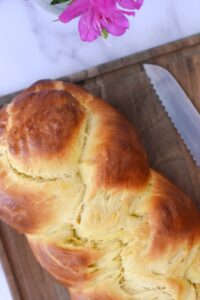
104,33
54,2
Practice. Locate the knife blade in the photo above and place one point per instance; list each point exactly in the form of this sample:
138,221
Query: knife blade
179,107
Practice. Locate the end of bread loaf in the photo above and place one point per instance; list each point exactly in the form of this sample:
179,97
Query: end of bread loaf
76,180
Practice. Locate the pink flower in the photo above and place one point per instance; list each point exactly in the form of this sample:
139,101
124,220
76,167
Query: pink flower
97,16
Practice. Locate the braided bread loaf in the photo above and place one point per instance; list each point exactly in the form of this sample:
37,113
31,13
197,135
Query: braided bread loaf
75,179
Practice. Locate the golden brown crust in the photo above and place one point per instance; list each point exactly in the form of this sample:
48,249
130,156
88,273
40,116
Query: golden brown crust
33,205
174,218
3,124
24,218
69,266
119,145
121,148
116,142
18,206
75,178
47,125
41,130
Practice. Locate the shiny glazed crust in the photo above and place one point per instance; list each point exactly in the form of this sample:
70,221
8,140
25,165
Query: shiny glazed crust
75,179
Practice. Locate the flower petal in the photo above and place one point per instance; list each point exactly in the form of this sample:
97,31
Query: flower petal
75,9
105,7
89,26
117,24
97,15
130,4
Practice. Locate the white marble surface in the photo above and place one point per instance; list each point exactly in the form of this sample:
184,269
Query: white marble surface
33,47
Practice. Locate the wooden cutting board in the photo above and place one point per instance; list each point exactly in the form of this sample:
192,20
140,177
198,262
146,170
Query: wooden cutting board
124,84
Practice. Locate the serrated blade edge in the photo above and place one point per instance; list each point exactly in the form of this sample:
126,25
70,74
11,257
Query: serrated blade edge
178,106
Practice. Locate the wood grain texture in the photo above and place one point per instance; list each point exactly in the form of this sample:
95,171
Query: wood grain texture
124,84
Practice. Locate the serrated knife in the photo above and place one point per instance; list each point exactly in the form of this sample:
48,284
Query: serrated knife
179,107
